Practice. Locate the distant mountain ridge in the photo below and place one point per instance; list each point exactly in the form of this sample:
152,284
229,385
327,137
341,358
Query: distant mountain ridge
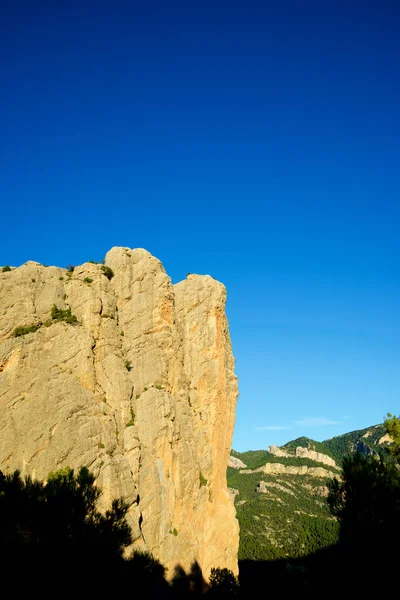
280,493
340,446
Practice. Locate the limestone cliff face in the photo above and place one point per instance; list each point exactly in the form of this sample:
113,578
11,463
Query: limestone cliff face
141,390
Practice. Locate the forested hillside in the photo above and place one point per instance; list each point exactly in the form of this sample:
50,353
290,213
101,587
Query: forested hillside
285,514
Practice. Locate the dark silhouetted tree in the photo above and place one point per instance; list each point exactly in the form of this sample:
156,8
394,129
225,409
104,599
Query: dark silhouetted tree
366,501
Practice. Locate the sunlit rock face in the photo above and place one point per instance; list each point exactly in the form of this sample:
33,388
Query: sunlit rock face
141,390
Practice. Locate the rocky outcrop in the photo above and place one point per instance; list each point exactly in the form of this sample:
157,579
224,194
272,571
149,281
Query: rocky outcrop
233,493
141,390
275,451
317,456
301,452
236,463
279,469
263,487
363,448
385,439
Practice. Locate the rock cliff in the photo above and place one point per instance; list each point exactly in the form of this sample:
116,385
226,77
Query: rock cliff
317,456
140,388
279,469
236,463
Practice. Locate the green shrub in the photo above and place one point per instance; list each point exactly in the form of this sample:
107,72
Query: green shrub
69,273
61,278
101,446
60,314
128,365
158,386
107,271
131,422
122,333
87,280
202,480
70,268
6,268
23,330
223,584
174,531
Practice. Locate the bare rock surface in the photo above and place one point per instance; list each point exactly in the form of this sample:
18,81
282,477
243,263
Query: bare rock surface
236,463
276,451
317,456
280,469
141,390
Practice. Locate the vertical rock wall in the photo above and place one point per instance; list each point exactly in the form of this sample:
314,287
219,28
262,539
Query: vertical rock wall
142,391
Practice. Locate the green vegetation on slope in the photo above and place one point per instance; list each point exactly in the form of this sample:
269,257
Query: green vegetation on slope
291,520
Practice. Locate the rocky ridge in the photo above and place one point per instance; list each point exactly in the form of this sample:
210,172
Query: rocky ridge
132,377
280,469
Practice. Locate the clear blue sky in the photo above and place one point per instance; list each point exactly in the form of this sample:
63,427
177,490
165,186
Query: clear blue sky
258,142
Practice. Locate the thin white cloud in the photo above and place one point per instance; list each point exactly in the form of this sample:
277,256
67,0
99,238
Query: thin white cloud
272,428
316,422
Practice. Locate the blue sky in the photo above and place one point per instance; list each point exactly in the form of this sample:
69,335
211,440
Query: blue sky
254,141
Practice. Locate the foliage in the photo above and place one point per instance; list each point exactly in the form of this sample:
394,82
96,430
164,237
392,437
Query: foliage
131,422
202,480
24,329
57,315
367,500
291,520
65,315
107,271
392,425
6,268
223,583
87,280
59,517
128,365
